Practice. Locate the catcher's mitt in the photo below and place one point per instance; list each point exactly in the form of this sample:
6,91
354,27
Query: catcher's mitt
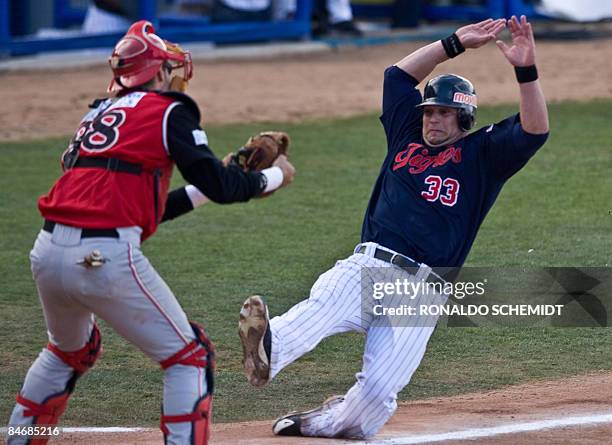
261,150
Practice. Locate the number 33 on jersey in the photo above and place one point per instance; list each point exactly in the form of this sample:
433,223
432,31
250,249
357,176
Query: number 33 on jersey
438,188
448,196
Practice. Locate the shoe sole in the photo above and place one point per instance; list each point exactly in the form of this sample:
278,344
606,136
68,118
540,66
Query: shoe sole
254,321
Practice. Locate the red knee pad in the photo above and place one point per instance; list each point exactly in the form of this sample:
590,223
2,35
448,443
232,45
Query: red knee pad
200,353
84,358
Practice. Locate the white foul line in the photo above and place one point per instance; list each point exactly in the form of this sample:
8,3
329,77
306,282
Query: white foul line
108,429
511,428
473,433
95,429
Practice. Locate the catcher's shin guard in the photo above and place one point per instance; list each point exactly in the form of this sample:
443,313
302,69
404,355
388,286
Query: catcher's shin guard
48,412
200,421
199,353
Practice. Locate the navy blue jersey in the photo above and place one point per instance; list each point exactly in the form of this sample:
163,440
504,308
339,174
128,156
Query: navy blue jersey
428,203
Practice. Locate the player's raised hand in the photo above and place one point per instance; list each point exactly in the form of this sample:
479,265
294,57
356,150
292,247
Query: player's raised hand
478,34
522,51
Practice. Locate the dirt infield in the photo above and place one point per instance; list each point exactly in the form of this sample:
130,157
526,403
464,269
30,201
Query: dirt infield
340,83
416,422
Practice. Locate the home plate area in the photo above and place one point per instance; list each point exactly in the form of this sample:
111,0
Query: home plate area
576,410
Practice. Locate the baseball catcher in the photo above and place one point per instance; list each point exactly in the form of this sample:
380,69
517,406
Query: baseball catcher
112,195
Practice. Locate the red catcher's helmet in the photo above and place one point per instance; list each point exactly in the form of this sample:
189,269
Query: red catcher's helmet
140,54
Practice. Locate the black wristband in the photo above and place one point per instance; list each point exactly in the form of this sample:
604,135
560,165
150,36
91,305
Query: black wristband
452,46
526,74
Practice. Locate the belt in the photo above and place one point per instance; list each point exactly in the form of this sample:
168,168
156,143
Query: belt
112,164
85,233
403,262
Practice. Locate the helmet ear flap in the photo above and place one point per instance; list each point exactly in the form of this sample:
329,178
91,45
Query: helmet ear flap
465,119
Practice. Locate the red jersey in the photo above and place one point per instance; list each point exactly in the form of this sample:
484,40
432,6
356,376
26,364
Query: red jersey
132,129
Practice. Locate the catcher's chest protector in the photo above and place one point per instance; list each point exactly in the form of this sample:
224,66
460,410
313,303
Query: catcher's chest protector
131,129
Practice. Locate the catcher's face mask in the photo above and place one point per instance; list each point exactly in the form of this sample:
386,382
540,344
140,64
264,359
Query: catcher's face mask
140,54
179,82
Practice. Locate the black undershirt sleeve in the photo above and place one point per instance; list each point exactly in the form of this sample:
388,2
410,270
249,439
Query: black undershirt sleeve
178,204
199,166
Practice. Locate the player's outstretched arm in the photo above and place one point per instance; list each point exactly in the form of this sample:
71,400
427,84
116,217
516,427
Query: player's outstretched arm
185,199
534,114
422,62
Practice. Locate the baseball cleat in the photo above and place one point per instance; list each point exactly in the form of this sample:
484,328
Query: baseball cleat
256,339
290,424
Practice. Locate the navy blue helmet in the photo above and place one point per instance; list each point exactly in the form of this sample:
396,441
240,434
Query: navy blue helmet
450,90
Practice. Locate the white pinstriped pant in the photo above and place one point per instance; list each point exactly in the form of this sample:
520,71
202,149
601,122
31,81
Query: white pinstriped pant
129,295
391,355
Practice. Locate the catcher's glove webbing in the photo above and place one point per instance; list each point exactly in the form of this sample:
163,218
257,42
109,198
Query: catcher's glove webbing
261,150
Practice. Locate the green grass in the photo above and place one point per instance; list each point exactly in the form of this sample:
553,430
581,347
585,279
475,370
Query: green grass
559,206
